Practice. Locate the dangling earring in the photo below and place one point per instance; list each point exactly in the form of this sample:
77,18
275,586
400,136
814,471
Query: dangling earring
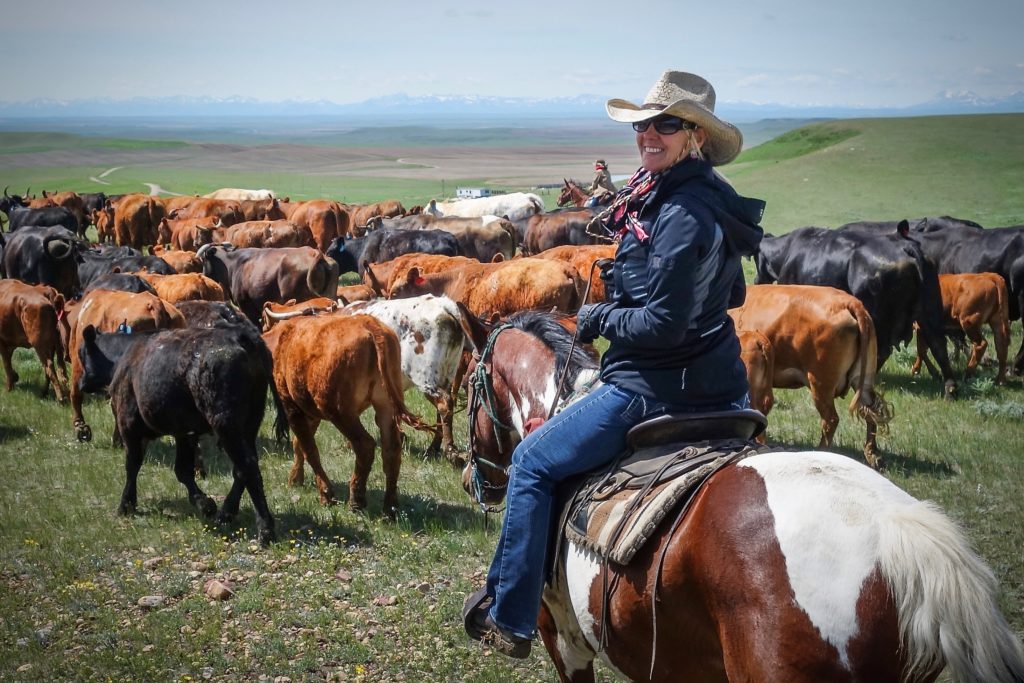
695,151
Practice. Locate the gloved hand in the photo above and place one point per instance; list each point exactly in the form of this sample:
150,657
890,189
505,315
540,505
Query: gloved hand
588,321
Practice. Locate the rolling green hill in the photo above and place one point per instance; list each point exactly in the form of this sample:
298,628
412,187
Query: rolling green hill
831,173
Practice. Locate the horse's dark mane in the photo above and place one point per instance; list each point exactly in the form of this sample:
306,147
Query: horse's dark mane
545,327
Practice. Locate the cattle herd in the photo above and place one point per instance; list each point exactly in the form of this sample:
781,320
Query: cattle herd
187,311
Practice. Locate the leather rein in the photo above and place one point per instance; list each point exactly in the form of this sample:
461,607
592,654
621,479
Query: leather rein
483,396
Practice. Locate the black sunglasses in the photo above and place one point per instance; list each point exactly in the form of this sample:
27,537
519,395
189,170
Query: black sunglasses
665,125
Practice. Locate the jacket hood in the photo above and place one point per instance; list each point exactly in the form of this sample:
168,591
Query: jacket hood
738,216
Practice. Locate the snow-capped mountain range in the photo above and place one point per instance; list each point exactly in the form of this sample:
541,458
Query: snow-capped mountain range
400,105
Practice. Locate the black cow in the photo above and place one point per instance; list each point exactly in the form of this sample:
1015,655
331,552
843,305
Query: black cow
92,201
182,383
959,246
885,269
98,262
212,313
21,217
44,256
385,244
252,277
120,282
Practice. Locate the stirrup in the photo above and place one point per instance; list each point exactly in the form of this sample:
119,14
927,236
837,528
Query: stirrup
474,612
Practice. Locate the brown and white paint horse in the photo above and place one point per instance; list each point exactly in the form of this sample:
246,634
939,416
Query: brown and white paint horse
789,566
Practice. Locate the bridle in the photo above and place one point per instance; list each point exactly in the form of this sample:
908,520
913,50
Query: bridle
483,397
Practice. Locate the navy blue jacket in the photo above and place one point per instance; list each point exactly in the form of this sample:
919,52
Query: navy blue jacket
671,337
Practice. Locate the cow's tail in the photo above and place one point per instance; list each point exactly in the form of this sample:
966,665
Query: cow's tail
945,597
868,403
1003,308
390,376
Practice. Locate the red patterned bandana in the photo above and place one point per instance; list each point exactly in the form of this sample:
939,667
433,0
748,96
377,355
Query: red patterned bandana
623,215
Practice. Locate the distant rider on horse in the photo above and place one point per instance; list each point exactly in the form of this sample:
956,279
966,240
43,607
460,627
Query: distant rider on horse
602,189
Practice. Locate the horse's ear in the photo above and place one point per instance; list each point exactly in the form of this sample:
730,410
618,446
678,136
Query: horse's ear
476,331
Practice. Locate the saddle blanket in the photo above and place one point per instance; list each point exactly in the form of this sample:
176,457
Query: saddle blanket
616,511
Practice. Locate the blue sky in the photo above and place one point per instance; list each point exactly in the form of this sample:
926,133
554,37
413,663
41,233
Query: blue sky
836,52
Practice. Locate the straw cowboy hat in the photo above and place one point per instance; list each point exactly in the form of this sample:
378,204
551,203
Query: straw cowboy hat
689,97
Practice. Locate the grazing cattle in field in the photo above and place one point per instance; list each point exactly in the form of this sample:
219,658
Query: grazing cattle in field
333,368
107,311
970,301
239,194
181,383
181,261
758,357
98,262
362,213
251,277
430,335
959,246
31,317
352,255
885,269
558,228
489,289
325,218
582,259
186,234
44,256
225,211
136,218
184,287
381,277
261,234
515,206
824,339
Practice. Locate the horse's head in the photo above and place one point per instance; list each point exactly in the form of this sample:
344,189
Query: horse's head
512,382
565,196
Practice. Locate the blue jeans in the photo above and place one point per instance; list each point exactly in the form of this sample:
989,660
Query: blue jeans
586,435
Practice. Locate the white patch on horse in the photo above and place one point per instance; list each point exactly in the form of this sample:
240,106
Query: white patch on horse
582,570
825,507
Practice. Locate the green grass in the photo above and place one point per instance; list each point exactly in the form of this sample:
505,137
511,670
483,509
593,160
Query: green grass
346,596
23,143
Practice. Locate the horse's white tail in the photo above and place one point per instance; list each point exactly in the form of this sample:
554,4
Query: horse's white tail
946,599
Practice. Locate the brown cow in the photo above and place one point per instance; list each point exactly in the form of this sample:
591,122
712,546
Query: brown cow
334,368
261,209
970,301
31,317
381,277
582,259
823,339
349,293
107,310
184,287
361,213
136,218
501,289
277,233
227,211
557,228
325,218
181,261
103,219
186,234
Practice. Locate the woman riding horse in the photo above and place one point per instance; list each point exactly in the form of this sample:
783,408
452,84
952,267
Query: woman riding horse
672,345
